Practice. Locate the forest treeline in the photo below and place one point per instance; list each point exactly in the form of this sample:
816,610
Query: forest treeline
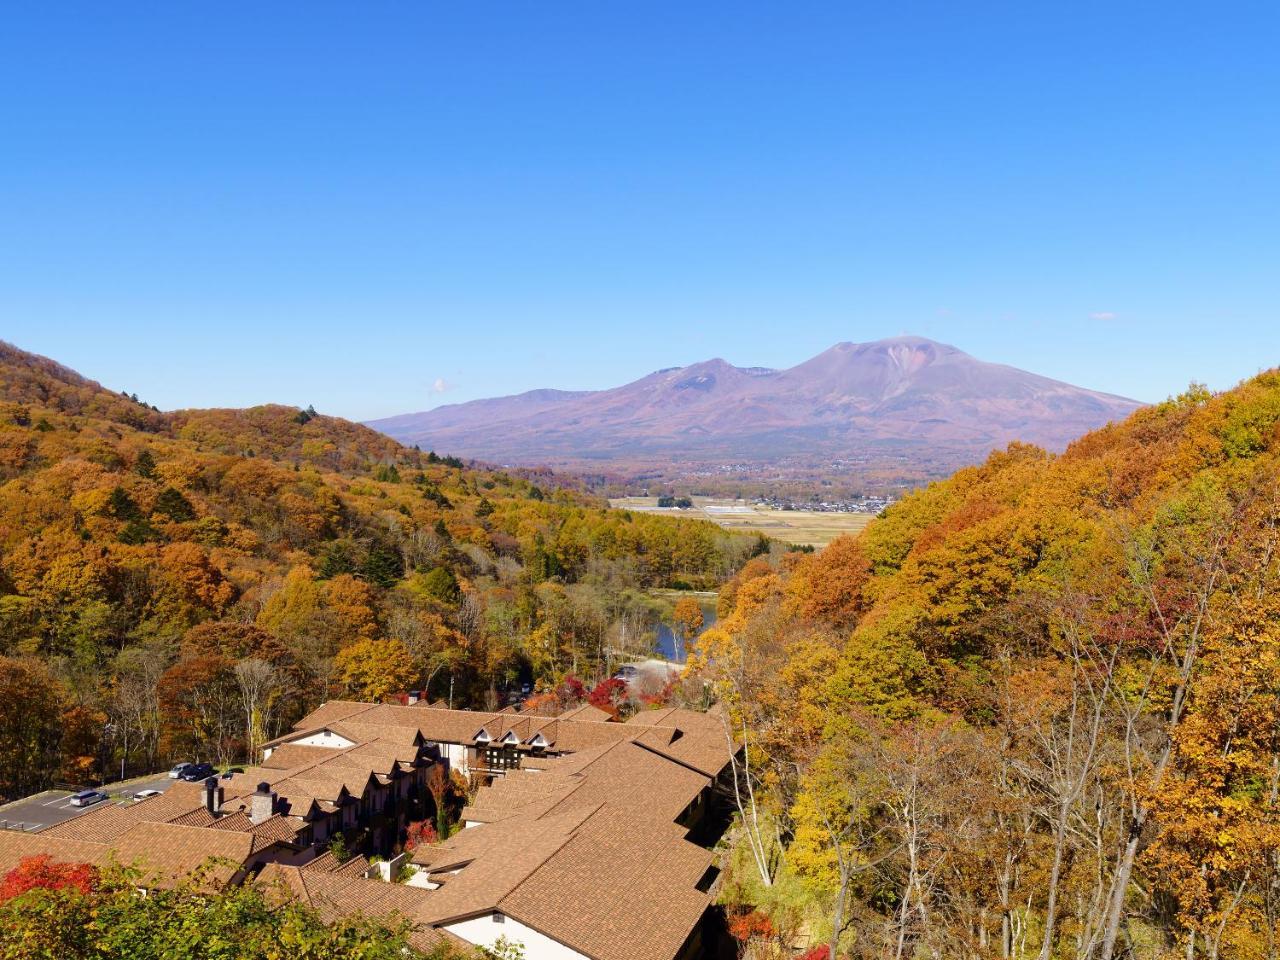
182,585
1032,711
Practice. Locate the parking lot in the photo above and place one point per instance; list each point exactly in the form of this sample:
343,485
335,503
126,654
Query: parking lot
54,807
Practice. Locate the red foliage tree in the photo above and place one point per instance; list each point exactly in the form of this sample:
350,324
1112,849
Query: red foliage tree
40,872
609,695
423,831
750,925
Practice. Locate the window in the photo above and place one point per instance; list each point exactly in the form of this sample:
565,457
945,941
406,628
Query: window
501,758
499,918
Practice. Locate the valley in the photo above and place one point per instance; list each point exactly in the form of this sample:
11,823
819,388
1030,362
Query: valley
803,528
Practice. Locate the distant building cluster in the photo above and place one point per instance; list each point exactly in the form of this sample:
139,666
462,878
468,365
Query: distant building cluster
871,505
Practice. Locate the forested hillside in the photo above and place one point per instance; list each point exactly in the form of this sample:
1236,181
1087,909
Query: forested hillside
1033,711
185,584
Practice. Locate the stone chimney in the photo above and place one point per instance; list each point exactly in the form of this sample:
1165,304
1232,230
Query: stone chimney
262,803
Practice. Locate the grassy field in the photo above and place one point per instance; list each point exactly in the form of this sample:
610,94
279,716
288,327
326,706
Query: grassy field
791,526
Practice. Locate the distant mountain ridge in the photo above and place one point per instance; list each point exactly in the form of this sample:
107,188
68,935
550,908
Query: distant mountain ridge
902,397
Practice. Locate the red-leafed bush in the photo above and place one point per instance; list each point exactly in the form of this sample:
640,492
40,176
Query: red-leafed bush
752,925
424,831
609,695
817,953
661,698
42,873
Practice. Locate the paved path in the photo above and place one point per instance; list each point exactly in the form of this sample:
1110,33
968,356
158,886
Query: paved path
52,807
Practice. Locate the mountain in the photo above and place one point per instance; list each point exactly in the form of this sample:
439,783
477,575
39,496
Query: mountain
905,397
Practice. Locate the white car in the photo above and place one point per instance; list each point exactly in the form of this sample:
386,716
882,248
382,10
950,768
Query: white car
86,798
146,794
178,770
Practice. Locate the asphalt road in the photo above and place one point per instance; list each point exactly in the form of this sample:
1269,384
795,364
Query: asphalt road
52,807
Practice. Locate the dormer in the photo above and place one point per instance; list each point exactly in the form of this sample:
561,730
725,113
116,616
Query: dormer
509,739
482,737
538,741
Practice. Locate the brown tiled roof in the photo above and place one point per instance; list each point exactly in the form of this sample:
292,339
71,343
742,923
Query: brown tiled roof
15,846
612,795
547,874
328,863
694,739
199,817
332,712
233,821
274,829
481,886
586,711
333,895
380,732
623,775
167,851
288,755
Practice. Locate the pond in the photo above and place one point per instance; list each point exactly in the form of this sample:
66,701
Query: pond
670,646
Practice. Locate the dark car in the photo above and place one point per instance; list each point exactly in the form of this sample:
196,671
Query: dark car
199,771
230,772
87,798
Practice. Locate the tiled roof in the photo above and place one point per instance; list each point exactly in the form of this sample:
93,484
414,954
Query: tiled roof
288,755
571,898
586,712
167,851
333,895
328,863
14,847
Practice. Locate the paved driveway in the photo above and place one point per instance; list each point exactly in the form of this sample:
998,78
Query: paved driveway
53,806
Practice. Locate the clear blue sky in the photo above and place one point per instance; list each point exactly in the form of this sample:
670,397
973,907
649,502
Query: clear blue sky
357,204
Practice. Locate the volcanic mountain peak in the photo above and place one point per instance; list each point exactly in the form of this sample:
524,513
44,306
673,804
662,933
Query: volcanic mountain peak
899,398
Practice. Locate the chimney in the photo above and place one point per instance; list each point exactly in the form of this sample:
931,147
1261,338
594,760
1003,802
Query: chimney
262,803
212,795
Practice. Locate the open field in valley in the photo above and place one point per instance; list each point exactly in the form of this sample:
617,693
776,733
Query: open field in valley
805,527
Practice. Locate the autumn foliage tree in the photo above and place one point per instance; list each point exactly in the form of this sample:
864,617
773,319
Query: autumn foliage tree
1031,709
43,873
375,669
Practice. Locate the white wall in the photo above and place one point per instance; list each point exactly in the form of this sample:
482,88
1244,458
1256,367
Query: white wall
325,738
484,932
457,754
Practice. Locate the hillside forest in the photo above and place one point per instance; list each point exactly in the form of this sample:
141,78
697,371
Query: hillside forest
1033,711
186,585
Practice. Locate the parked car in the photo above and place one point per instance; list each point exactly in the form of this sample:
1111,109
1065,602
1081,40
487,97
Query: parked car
230,772
197,771
87,798
176,772
146,794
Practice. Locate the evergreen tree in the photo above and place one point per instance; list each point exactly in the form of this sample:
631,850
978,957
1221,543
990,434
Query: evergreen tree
442,584
145,465
172,504
338,558
121,506
383,566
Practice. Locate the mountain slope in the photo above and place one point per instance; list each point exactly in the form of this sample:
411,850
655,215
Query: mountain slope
144,551
1101,628
905,396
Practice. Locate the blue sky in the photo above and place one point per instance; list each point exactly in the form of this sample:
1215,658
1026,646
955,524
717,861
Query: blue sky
379,207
